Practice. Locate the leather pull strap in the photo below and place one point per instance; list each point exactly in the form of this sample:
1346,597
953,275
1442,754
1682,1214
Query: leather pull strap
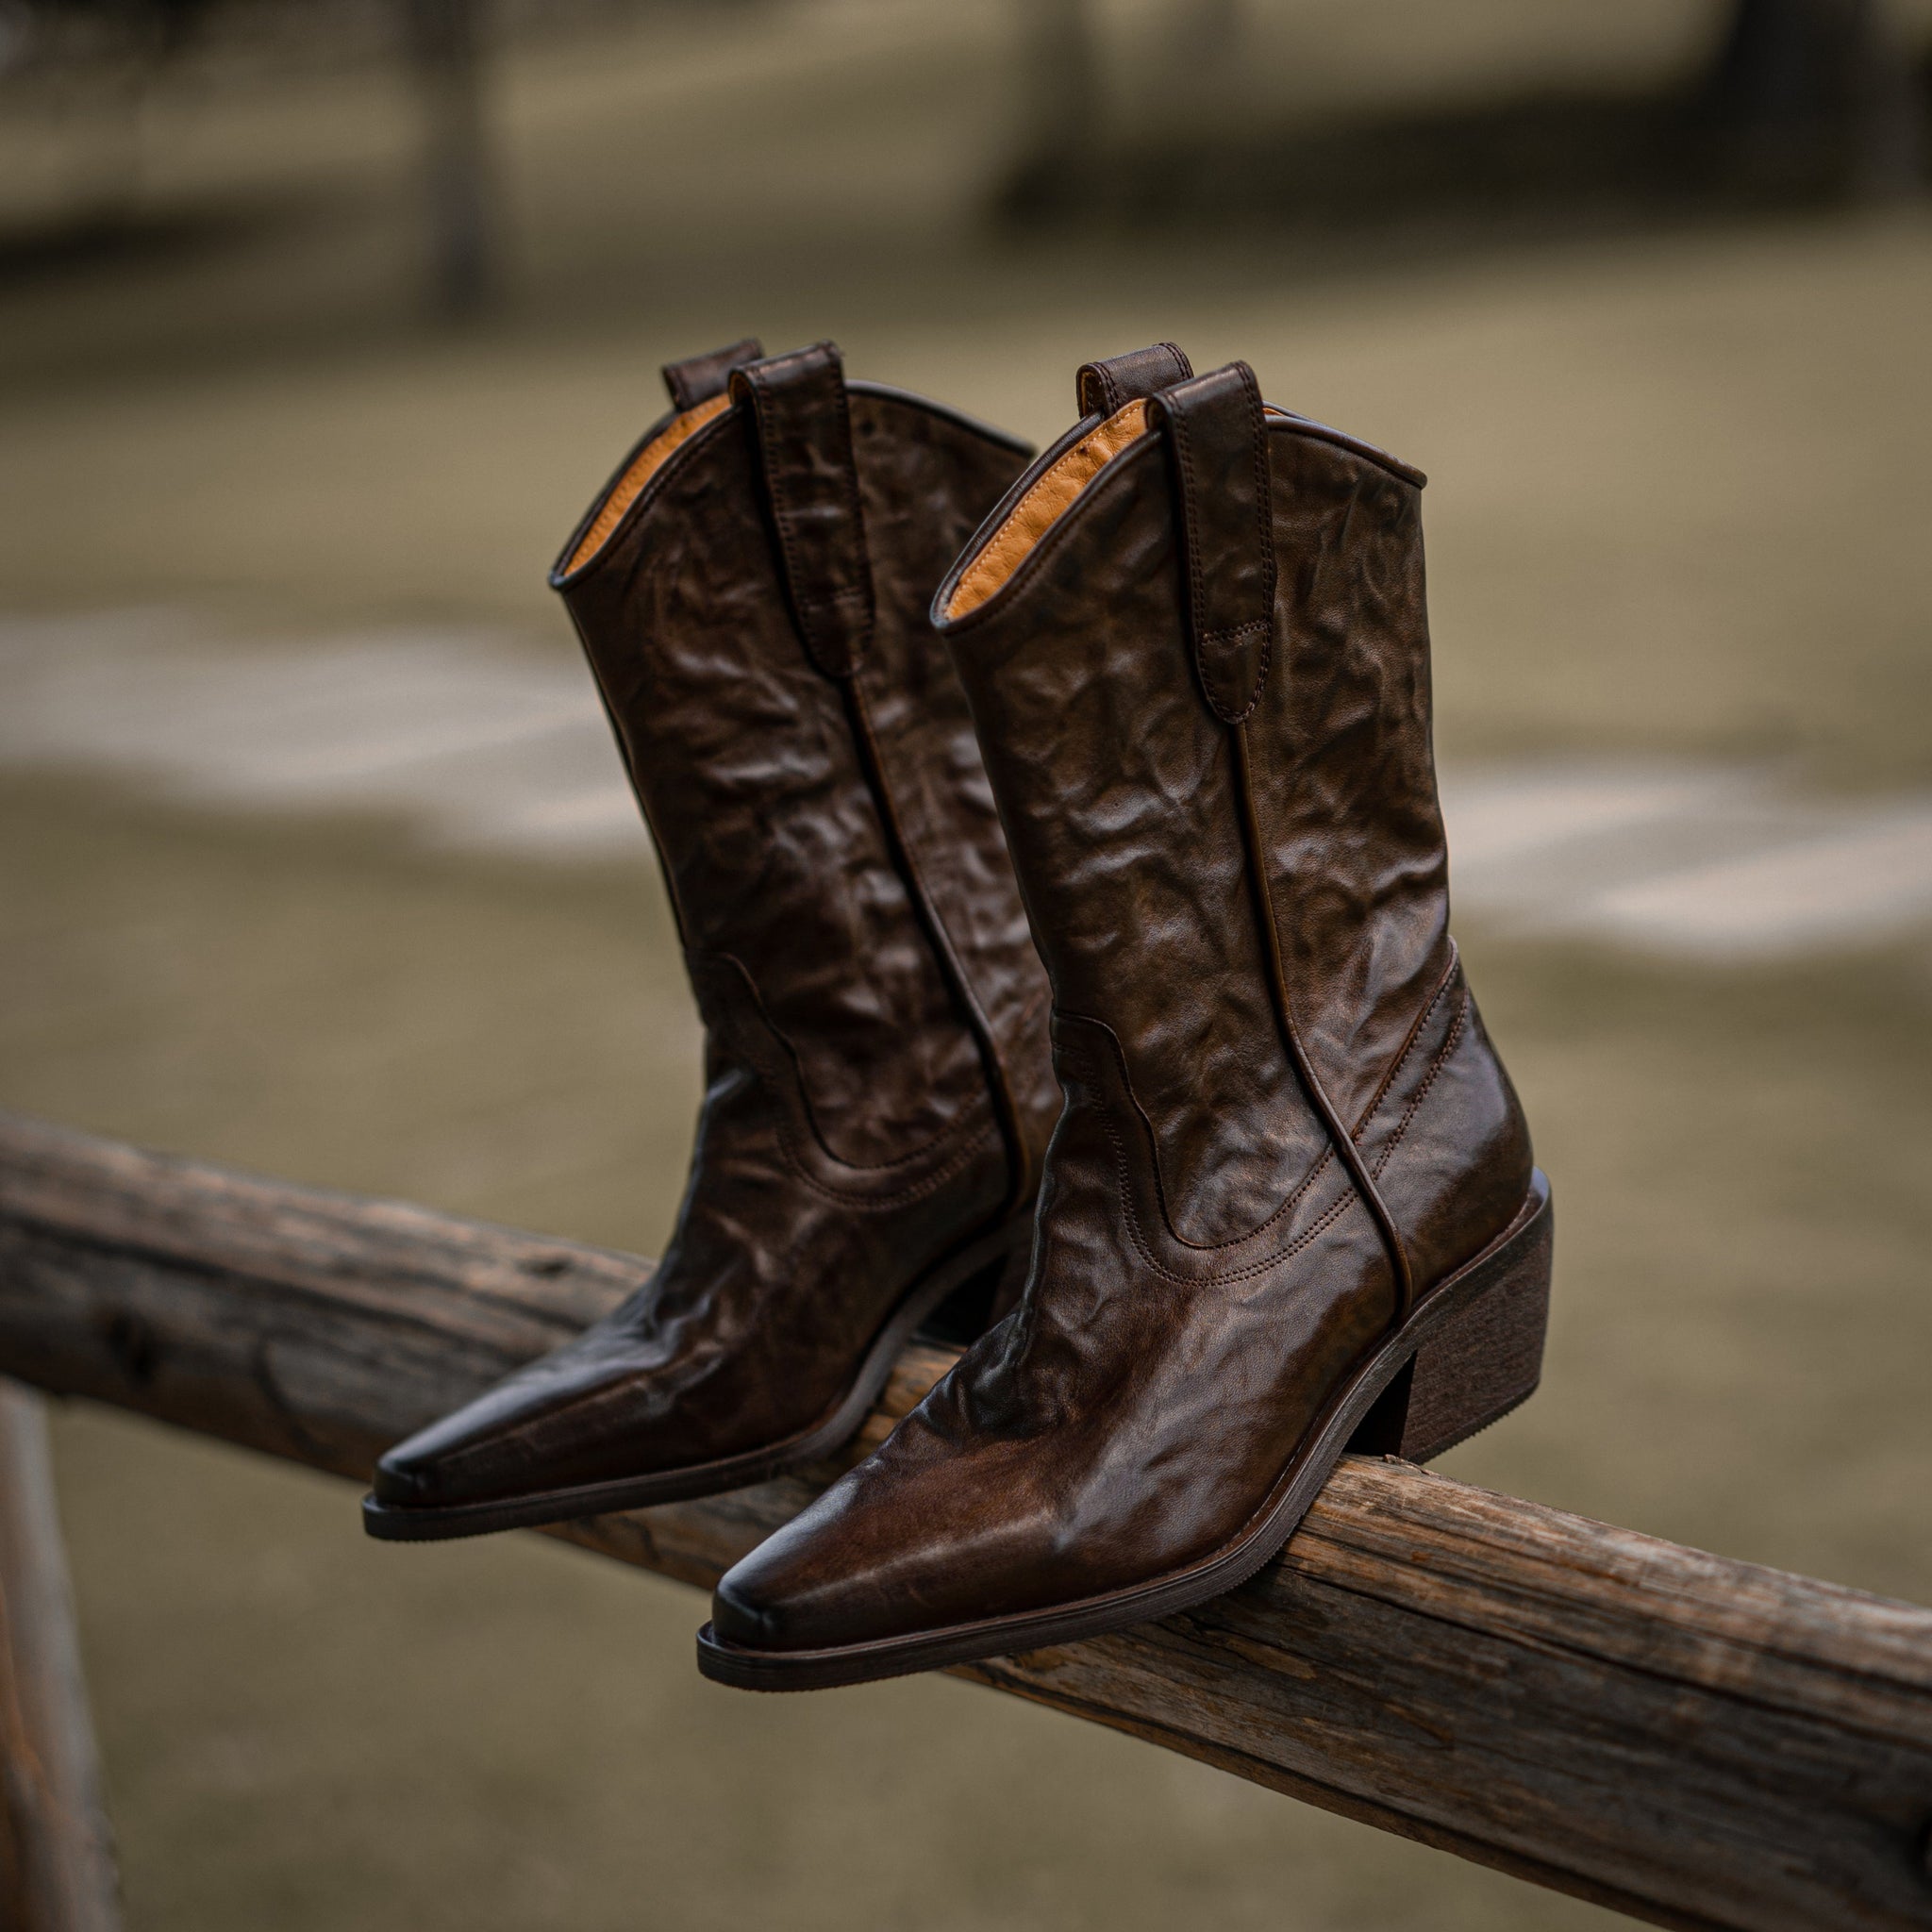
698,379
1218,433
1101,388
804,427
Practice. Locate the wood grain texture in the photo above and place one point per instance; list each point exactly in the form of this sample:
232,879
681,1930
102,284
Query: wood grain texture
1695,1741
56,1862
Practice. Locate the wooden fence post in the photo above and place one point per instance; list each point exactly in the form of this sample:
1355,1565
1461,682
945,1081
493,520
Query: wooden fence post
56,1867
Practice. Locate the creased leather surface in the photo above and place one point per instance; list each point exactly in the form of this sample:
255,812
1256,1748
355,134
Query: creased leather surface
848,1137
1116,783
1205,1269
741,751
1348,802
923,483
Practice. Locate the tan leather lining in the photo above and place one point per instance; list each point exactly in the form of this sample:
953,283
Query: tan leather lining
649,460
1052,495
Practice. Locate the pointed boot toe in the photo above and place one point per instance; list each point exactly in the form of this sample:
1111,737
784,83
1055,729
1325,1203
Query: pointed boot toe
405,1479
450,1467
445,1466
757,1610
825,1574
471,1471
894,1567
808,1598
821,1589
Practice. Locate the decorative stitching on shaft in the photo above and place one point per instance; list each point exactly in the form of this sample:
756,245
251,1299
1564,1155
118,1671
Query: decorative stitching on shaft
1422,1093
1412,1042
1301,1186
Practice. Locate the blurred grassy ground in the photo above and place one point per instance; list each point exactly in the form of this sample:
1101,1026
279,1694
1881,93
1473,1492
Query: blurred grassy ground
1679,504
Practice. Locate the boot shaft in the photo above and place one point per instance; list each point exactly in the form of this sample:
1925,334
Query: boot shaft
1342,750
750,590
1197,651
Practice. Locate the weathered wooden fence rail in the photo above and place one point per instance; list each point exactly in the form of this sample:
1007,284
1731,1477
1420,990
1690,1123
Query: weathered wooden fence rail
1695,1741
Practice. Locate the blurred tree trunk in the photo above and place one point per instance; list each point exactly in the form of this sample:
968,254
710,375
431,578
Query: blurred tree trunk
1203,59
1816,93
445,47
1059,90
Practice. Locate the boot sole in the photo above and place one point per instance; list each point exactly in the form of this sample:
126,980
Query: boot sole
1470,1351
393,1523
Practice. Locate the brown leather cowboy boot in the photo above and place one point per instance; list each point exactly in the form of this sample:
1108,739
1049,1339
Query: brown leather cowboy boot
1292,1203
752,592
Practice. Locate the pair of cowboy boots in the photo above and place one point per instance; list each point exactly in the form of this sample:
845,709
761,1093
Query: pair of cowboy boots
1234,1183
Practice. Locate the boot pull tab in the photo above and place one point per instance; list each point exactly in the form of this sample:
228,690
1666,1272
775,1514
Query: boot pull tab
1218,432
1101,388
698,379
804,425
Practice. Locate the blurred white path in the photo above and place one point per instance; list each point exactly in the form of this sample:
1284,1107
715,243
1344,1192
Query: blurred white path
480,746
